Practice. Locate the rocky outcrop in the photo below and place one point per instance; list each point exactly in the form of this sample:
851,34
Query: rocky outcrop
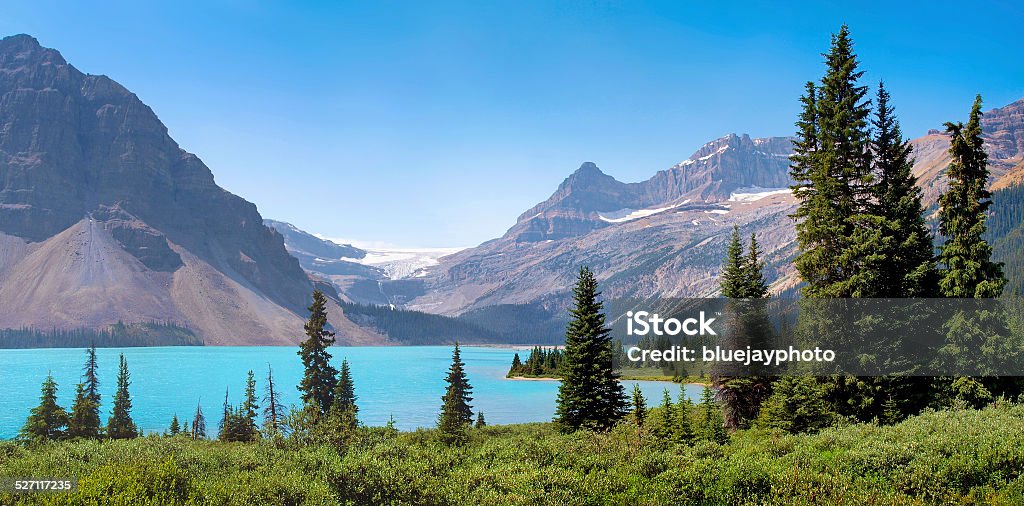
586,199
83,163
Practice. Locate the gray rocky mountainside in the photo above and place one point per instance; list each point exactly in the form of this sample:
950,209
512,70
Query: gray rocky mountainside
666,236
104,218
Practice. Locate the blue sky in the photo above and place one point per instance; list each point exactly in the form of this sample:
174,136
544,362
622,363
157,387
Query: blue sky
437,123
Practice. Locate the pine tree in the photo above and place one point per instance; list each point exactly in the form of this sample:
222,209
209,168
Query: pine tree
684,428
120,424
224,427
590,395
797,405
755,286
517,366
666,429
273,408
832,170
456,412
639,407
742,396
47,420
733,272
712,428
343,407
86,414
480,422
966,258
175,428
199,423
84,421
249,408
318,382
910,269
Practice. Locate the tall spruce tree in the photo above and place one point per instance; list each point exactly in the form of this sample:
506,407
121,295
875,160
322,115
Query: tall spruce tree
590,395
199,423
47,420
318,381
456,412
249,408
832,170
273,408
84,421
741,396
910,269
967,269
224,427
734,270
175,427
755,286
120,424
85,412
343,407
639,407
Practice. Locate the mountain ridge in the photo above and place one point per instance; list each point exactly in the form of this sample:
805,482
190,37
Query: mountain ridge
98,203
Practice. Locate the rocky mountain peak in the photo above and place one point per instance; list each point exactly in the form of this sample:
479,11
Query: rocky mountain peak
84,164
21,50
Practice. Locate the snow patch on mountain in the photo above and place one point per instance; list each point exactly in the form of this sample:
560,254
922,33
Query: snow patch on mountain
753,193
398,263
624,215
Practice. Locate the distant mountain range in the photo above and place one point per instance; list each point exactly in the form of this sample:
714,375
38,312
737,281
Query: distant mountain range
104,220
666,236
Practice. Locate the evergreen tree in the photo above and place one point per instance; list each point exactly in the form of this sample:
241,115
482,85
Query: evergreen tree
85,412
517,366
273,409
343,407
666,429
797,405
224,427
712,426
47,420
456,412
175,428
480,422
318,382
755,286
832,170
639,407
120,424
684,428
84,421
967,267
249,408
199,423
741,396
733,277
590,395
910,269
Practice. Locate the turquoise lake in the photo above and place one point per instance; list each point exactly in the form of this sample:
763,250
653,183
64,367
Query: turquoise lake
404,382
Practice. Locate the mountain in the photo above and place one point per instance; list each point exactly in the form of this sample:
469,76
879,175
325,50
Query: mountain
589,199
105,219
659,237
666,236
1003,132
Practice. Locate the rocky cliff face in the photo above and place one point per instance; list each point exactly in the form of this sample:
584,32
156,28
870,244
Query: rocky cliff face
589,199
88,170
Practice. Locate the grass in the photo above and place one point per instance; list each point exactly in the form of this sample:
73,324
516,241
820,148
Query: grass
948,457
